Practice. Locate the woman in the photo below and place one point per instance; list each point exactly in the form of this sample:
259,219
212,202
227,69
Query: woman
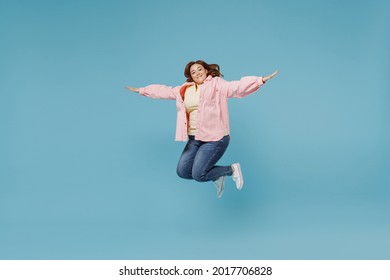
203,121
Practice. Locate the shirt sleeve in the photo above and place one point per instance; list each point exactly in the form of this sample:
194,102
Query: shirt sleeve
160,91
244,87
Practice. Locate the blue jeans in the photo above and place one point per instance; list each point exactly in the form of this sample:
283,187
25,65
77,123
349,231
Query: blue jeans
199,158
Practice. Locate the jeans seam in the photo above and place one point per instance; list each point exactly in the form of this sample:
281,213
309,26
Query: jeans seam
213,155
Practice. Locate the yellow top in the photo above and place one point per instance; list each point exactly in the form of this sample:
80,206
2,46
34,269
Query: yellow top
191,101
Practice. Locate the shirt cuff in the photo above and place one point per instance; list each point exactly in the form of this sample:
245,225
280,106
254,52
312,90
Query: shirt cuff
260,81
141,91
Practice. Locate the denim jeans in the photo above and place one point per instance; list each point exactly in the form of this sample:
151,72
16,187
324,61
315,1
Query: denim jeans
199,158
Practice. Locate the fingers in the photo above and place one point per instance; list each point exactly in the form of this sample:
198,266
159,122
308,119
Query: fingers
274,73
132,89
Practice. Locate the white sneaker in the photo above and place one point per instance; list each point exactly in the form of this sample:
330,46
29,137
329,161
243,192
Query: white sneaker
220,184
237,175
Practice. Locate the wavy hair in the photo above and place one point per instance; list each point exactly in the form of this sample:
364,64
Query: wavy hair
212,69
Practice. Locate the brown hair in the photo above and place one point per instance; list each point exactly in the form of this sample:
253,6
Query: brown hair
212,69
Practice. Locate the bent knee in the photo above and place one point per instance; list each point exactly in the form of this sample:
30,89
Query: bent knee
199,177
183,174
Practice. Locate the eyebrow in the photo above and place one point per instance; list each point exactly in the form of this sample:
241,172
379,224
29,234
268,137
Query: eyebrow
194,69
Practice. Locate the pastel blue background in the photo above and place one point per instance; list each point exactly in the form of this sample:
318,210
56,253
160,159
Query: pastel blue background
87,169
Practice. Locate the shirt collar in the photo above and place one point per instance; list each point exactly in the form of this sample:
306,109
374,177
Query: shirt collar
209,77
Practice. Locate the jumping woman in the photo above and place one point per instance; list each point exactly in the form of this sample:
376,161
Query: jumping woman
203,120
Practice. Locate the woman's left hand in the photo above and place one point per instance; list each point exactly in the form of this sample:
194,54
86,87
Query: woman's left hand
266,78
133,89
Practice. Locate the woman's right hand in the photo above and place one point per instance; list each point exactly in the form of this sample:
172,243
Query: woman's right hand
133,89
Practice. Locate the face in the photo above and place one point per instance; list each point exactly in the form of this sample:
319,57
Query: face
198,73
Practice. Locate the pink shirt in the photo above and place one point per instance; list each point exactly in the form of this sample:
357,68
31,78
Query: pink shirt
213,115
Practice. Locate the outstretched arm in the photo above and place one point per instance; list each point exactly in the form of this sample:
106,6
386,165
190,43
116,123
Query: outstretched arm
245,86
157,91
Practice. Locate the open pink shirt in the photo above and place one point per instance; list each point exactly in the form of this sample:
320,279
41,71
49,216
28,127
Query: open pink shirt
213,115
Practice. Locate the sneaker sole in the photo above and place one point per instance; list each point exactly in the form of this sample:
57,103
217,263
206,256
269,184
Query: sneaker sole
239,187
219,195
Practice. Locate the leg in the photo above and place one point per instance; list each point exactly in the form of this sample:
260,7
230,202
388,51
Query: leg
184,166
204,168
